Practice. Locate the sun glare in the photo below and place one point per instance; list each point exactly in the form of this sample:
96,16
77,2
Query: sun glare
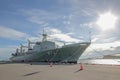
106,21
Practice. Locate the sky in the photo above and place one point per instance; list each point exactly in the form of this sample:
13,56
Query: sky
64,20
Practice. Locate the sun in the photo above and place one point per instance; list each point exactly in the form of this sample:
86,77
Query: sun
106,21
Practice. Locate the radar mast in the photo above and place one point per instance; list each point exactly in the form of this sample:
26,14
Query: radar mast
44,36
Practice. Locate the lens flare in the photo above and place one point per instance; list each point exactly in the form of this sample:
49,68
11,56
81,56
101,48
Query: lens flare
106,21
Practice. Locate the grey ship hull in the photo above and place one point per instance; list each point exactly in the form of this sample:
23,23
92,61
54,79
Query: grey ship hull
68,53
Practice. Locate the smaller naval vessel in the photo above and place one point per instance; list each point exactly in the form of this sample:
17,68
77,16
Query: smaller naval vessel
48,51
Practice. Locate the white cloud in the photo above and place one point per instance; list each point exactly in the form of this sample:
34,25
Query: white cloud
87,25
35,19
10,33
53,30
65,37
34,39
105,46
103,37
41,17
100,49
5,52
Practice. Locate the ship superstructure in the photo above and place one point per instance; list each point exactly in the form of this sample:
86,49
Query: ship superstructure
48,51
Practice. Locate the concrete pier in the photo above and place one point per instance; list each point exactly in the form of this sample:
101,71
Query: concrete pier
22,71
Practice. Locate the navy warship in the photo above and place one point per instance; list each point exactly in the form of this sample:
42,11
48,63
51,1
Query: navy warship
48,51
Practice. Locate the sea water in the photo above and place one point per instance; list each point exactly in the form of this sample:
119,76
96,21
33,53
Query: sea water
101,61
